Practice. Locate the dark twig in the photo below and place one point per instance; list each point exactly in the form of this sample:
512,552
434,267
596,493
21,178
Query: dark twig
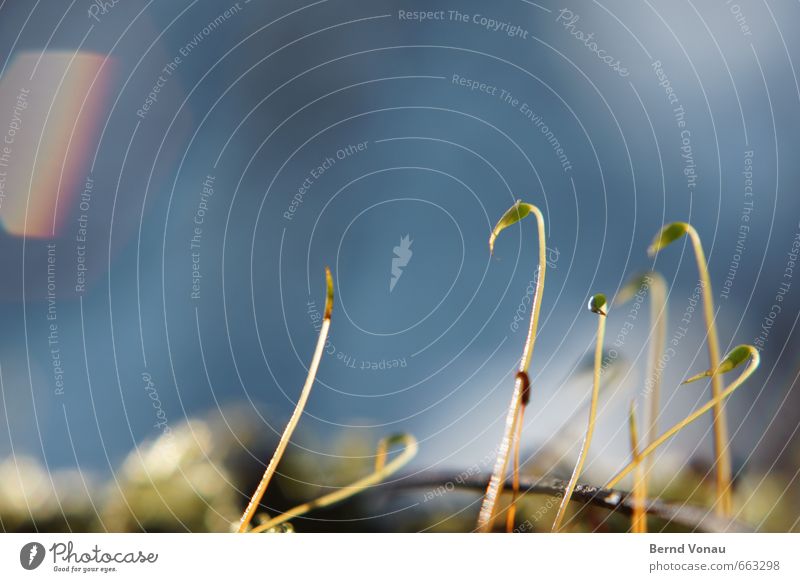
692,517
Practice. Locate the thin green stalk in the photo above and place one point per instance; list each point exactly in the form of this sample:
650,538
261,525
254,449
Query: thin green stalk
596,305
381,472
667,235
255,500
735,358
519,397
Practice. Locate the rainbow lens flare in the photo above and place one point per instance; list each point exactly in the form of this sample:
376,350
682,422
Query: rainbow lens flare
52,107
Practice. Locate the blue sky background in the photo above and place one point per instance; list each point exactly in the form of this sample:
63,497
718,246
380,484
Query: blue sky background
272,91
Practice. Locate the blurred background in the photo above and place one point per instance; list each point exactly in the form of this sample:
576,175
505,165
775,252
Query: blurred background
175,176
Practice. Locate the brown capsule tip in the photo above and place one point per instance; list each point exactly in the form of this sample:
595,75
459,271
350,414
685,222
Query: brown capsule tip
525,394
328,293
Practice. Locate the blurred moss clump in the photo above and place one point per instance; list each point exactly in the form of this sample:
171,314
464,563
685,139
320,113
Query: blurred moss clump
33,499
200,474
173,483
196,476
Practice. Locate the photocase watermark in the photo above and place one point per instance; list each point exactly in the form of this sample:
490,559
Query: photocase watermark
316,173
680,332
198,221
168,71
522,312
679,114
100,8
739,17
527,525
67,559
785,285
507,98
489,24
476,19
400,260
53,338
81,235
613,353
568,19
744,226
162,423
6,148
31,555
346,359
476,468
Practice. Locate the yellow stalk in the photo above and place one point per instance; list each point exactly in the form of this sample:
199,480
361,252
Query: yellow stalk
381,472
596,307
751,367
512,510
639,516
658,319
255,500
721,453
657,289
519,397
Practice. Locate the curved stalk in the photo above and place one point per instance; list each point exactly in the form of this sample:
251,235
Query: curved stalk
733,360
252,506
521,393
596,305
668,234
381,472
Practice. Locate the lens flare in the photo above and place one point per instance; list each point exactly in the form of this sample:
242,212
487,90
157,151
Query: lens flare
52,106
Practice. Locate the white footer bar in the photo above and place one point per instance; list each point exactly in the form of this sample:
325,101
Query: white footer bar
353,557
